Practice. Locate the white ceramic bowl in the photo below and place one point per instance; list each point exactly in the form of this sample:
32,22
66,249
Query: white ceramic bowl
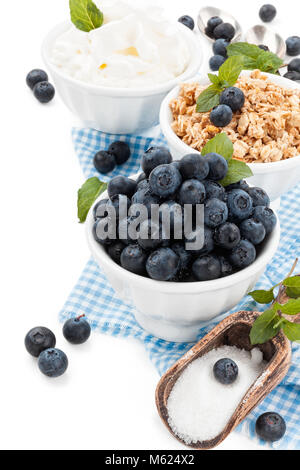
176,311
276,178
117,110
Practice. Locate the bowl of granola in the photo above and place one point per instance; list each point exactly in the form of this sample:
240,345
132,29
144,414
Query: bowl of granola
265,133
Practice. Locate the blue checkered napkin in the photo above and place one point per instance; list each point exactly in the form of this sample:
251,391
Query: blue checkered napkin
94,296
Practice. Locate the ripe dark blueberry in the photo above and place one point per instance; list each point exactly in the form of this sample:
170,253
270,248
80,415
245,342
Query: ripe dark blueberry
184,256
142,185
267,13
227,236
141,177
214,189
171,215
233,97
133,258
120,203
99,211
165,180
209,33
193,166
77,330
104,162
101,231
239,205
240,185
294,66
53,362
270,427
207,268
207,243
163,264
120,151
154,157
36,76
176,163
264,48
219,47
191,192
187,21
224,31
150,235
212,23
295,76
242,255
145,197
253,231
215,212
215,62
293,46
115,251
221,115
226,268
128,230
266,216
259,197
44,92
218,166
38,339
121,185
226,371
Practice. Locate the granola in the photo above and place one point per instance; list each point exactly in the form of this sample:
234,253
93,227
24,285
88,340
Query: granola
267,129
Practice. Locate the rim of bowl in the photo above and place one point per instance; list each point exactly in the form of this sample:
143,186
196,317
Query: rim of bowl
196,61
181,287
165,118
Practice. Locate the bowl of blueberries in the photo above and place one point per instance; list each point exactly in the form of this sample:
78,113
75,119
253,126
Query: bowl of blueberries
178,245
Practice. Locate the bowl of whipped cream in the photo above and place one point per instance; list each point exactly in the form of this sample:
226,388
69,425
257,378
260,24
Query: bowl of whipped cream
115,77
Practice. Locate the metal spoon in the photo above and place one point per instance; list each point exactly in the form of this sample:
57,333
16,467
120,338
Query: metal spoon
259,34
207,12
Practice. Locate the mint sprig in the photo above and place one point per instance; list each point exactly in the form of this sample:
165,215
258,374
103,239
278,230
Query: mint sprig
269,323
85,15
255,58
87,195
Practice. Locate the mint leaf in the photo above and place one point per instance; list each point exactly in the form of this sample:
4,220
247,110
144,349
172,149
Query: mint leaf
255,58
215,80
263,328
244,49
236,172
87,195
220,144
230,71
85,15
292,287
262,296
208,99
291,330
268,62
292,307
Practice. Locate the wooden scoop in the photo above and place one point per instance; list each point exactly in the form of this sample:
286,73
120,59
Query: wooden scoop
233,331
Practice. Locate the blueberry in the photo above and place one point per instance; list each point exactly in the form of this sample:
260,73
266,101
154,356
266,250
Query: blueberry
191,192
38,339
150,235
295,76
171,215
212,23
77,330
145,197
218,166
214,189
219,47
121,185
44,92
215,62
221,115
176,163
259,197
53,362
270,427
36,76
227,236
267,13
207,268
184,256
209,33
226,268
99,211
294,66
165,180
239,205
225,371
215,212
104,162
163,264
233,97
154,157
240,185
193,166
293,46
208,242
253,231
242,255
120,151
133,259
141,177
266,216
101,232
224,31
128,230
115,251
264,48
142,185
120,203
187,21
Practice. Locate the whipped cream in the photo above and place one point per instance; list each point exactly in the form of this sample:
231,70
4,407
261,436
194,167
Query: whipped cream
135,47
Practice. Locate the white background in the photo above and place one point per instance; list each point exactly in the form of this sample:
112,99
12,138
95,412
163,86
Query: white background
106,399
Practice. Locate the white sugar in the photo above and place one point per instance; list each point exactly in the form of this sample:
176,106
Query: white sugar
199,406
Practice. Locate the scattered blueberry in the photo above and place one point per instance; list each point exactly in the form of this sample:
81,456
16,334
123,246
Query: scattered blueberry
165,180
36,76
293,46
215,213
267,13
221,115
266,216
259,197
133,258
121,185
77,330
214,189
233,97
191,192
270,427
215,62
224,31
163,264
264,48
219,47
104,162
44,92
120,151
253,231
242,255
154,157
38,339
225,371
295,76
187,21
227,236
53,362
193,166
115,251
294,66
99,211
207,268
239,205
218,166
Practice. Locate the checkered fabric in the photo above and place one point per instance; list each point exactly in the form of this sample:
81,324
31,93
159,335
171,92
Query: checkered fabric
94,296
